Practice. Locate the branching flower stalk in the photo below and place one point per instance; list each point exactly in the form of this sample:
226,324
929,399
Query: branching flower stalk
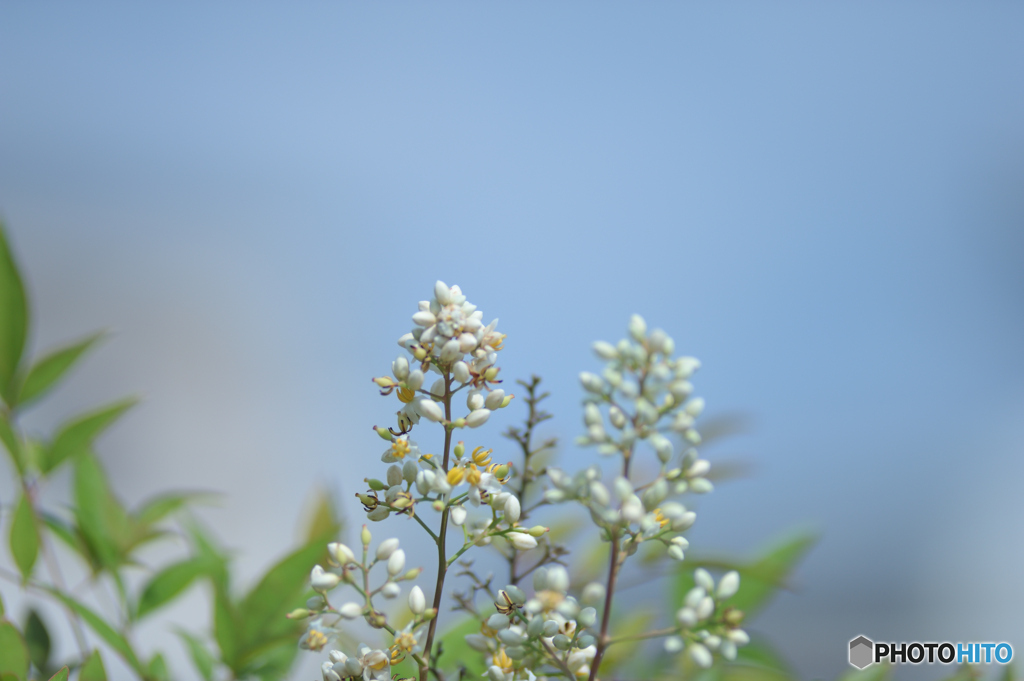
644,395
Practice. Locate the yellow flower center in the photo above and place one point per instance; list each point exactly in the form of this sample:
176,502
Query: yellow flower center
405,395
399,448
316,640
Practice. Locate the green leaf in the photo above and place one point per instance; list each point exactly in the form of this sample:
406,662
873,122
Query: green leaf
61,675
13,653
157,669
170,582
24,537
77,436
226,628
12,445
37,640
158,508
13,319
280,590
1,606
760,580
97,511
201,657
45,373
93,669
109,635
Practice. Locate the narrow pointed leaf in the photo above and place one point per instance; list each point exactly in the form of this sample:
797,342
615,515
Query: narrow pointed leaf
24,537
76,436
278,592
61,675
93,669
158,508
93,501
201,657
13,319
45,373
13,653
37,640
157,669
170,582
11,444
109,635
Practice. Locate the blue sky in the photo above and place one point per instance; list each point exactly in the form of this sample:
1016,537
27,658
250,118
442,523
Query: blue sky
822,202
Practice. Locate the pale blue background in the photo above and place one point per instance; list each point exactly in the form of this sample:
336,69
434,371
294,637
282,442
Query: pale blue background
822,202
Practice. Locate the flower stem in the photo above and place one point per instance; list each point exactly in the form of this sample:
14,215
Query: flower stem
442,559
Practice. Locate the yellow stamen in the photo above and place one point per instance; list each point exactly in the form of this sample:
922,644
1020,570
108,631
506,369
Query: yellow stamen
399,448
456,475
473,475
316,640
405,395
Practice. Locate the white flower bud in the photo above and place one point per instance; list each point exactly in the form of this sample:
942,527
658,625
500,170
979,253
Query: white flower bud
394,475
684,522
586,618
341,553
417,601
703,579
686,366
694,596
681,542
386,548
512,509
705,608
328,673
451,351
686,617
599,494
673,644
460,371
430,410
701,486
474,400
646,412
558,578
351,611
478,417
655,494
396,563
637,327
593,593
425,481
321,580
378,514
623,488
605,350
494,399
415,380
592,382
409,471
457,515
729,585
467,343
497,621
632,509
522,541
699,468
390,590
739,637
400,368
676,551
700,655
442,294
694,407
592,415
437,389
477,642
616,416
662,447
424,318
728,650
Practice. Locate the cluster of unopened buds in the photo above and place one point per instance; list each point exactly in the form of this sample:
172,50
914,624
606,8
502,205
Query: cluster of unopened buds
347,570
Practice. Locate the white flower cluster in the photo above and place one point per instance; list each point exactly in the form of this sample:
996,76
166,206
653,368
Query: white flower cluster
551,626
700,607
450,339
345,569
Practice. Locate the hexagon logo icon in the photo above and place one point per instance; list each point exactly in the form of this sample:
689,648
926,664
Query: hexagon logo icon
861,652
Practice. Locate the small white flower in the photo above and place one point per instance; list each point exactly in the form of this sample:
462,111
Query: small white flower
458,515
494,398
700,655
460,371
341,553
